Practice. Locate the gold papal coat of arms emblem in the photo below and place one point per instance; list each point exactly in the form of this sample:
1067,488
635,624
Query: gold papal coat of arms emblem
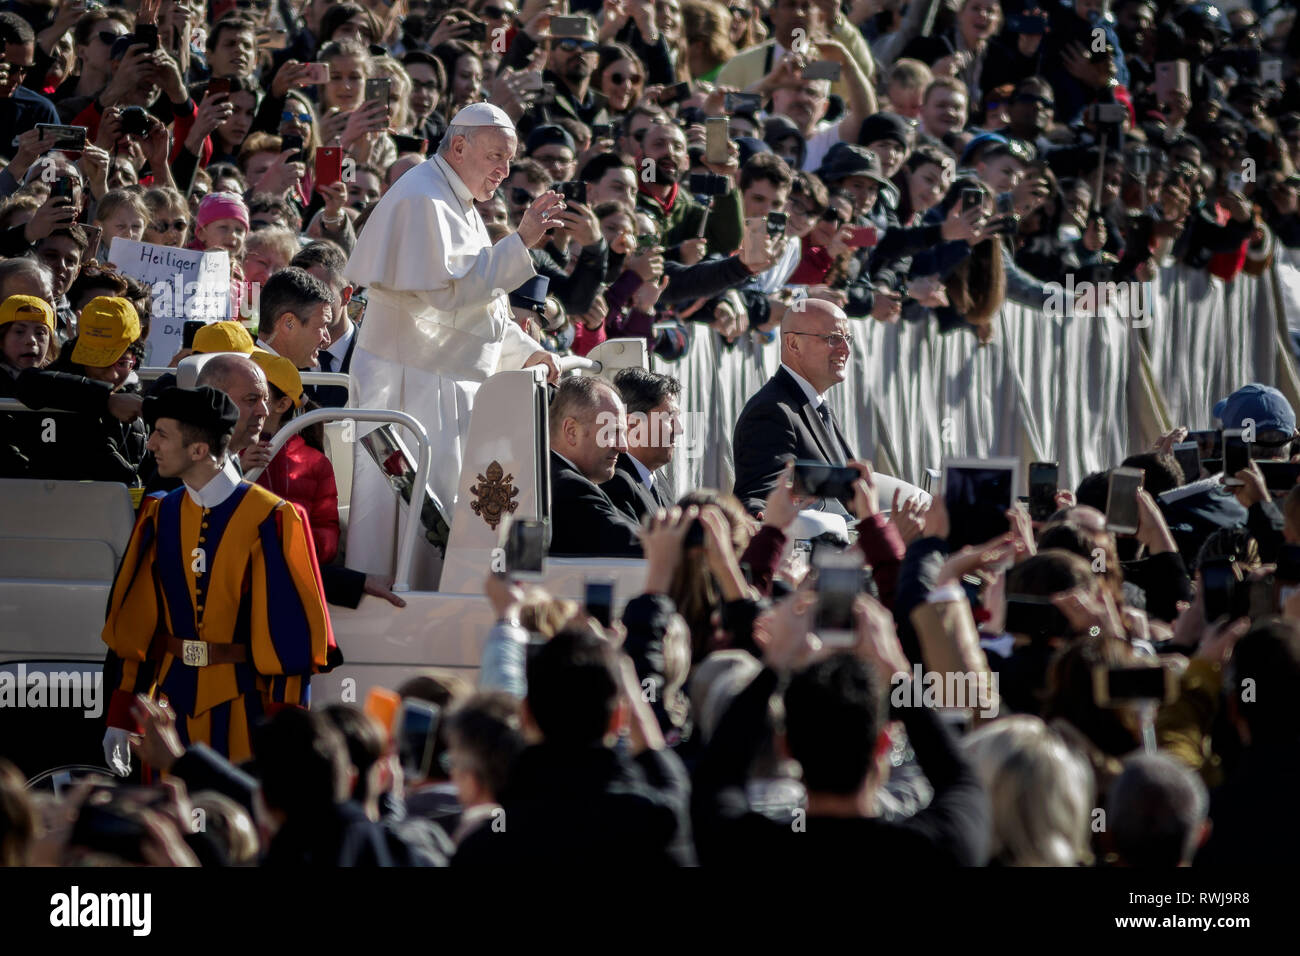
494,495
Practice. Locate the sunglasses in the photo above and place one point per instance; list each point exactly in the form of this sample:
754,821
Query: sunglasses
521,197
569,44
15,68
618,79
1031,98
498,13
289,116
108,37
176,225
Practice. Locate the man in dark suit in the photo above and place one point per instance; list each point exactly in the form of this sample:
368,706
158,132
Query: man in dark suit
653,424
588,433
788,417
326,261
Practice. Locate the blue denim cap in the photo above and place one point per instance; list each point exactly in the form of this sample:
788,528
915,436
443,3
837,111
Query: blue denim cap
1261,404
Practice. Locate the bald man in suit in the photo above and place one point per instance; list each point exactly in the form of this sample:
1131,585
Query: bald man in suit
788,418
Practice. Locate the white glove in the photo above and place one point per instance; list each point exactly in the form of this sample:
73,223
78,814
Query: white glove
117,751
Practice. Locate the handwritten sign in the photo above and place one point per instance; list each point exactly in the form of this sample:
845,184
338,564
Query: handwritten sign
185,284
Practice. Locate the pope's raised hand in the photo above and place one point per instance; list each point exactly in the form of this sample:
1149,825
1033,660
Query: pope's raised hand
540,217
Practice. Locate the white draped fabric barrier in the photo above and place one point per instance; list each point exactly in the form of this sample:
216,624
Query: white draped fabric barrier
1049,386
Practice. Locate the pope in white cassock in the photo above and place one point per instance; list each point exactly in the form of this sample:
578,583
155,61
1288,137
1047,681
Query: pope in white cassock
438,323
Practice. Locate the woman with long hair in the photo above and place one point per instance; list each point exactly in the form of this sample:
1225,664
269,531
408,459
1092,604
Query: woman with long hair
620,75
707,26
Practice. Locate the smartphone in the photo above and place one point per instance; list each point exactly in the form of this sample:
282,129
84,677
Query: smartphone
1044,481
410,144
294,142
822,70
673,94
189,330
1107,114
971,198
571,27
694,535
1035,615
864,237
1030,24
1279,476
598,598
1122,500
110,830
329,165
477,32
928,480
838,583
417,736
647,242
742,102
573,191
776,222
978,493
317,73
1235,182
602,131
525,549
709,184
1172,76
1236,456
1112,686
67,138
94,234
274,40
817,479
357,308
61,188
1218,588
1188,455
1288,563
717,140
1209,443
1270,71
147,33
377,88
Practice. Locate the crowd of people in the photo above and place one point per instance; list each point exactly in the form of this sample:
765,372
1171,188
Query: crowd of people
782,172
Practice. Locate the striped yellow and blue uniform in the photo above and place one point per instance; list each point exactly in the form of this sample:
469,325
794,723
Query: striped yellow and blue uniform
243,572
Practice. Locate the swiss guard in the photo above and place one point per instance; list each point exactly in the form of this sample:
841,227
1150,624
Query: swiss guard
217,609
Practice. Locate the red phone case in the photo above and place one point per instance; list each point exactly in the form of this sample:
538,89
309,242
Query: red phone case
329,165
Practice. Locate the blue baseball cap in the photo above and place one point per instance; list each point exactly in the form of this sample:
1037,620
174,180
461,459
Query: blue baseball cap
1263,405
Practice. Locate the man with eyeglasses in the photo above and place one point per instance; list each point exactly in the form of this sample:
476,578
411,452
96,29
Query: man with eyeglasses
20,108
788,418
428,77
569,66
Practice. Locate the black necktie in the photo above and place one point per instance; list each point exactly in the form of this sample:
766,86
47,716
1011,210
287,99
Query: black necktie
825,414
326,362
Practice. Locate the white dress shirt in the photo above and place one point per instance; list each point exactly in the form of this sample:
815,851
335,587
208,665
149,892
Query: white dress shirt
814,397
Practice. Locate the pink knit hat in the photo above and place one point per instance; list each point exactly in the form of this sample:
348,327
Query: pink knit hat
222,206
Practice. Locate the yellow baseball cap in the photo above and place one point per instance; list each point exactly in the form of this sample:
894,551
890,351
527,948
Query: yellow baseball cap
27,308
280,373
223,337
107,327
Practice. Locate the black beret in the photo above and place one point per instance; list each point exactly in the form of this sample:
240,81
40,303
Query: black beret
204,407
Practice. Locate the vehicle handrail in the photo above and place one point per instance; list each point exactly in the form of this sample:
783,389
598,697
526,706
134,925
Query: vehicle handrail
150,373
571,363
424,464
406,547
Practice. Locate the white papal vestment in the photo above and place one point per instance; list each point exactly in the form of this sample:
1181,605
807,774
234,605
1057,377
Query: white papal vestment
437,325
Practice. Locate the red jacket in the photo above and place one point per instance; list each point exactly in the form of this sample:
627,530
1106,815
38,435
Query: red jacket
301,474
